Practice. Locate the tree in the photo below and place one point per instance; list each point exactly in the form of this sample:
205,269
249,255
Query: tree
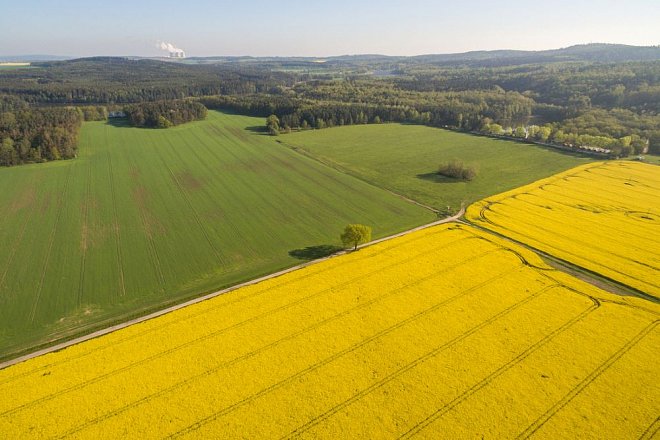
355,235
163,122
8,155
520,132
273,125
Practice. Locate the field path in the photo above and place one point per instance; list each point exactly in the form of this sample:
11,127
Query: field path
114,328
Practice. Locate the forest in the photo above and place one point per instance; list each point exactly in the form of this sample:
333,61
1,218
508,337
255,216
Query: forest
573,99
164,114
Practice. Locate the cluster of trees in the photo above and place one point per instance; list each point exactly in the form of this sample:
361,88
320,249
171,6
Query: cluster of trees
94,113
38,135
457,170
164,114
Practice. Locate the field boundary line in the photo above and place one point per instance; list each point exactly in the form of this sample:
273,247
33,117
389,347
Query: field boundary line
575,391
240,324
199,299
235,300
335,166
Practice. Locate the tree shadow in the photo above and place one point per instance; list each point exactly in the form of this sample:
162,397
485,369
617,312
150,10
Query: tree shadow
118,122
313,252
438,178
257,129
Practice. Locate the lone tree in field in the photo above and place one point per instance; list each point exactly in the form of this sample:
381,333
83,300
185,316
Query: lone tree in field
355,235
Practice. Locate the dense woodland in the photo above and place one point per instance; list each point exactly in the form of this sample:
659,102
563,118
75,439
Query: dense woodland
598,96
164,114
31,135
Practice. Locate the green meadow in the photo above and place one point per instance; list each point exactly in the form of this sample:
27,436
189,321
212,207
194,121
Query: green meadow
146,218
405,159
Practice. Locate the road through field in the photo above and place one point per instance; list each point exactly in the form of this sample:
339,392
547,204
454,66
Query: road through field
114,328
446,332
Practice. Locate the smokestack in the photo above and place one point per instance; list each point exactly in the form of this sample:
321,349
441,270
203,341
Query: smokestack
172,50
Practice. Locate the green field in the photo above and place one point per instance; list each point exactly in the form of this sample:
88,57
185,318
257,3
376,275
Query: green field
404,159
144,218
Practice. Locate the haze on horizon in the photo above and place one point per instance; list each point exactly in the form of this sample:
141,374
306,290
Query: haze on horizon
297,28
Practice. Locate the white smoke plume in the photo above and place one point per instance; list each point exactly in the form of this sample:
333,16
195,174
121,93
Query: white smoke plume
172,50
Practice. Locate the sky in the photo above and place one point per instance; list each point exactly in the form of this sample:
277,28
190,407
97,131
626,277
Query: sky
312,28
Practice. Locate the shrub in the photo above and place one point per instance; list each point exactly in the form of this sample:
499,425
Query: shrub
457,170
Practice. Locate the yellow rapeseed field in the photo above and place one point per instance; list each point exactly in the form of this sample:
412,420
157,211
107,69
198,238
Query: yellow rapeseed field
604,217
447,332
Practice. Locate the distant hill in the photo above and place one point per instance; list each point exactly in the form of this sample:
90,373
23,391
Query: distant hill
31,58
583,52
596,52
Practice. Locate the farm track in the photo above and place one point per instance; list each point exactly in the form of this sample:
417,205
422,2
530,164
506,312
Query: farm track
595,279
531,238
553,232
150,316
520,213
652,430
154,258
566,205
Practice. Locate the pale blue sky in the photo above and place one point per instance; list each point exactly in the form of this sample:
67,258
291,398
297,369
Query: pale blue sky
308,28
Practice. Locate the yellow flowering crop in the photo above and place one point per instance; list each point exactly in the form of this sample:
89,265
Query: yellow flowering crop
447,332
604,217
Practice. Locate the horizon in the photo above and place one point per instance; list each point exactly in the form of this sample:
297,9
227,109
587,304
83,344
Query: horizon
165,56
421,27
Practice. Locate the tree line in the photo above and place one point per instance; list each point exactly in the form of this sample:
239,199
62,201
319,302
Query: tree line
164,114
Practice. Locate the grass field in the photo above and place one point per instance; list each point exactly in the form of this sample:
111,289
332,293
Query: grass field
143,218
405,159
604,217
447,332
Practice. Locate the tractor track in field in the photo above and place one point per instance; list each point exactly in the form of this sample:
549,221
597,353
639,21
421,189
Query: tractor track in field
342,170
53,235
575,391
115,227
